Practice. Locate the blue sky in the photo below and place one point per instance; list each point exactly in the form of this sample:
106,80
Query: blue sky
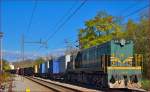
16,15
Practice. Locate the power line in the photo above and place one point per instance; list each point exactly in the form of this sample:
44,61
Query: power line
28,28
134,12
129,7
32,15
62,18
67,19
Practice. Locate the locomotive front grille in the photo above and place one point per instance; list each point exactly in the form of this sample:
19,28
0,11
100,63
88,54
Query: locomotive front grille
125,76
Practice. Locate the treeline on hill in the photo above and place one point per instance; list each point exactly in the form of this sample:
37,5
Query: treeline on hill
104,27
28,63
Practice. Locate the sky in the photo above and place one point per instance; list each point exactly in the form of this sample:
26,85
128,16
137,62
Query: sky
44,17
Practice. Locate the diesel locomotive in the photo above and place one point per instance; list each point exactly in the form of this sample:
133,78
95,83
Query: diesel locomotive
107,65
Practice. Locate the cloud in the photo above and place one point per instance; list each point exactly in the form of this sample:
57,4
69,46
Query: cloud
16,55
59,51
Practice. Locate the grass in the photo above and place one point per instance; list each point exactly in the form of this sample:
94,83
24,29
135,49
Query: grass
4,77
145,84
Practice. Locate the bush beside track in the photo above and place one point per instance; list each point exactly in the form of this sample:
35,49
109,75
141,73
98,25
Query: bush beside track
5,79
146,84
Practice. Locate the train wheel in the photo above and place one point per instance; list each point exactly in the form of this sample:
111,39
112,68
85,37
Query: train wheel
99,85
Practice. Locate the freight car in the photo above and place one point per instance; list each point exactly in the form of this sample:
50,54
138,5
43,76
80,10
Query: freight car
43,70
27,71
105,65
54,69
36,70
57,67
14,71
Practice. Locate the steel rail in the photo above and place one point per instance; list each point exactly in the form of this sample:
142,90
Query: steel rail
55,87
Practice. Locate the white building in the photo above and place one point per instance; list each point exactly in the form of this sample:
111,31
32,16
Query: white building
11,66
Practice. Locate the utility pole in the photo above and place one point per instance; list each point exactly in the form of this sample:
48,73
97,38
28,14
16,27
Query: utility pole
23,42
22,47
69,46
71,50
1,53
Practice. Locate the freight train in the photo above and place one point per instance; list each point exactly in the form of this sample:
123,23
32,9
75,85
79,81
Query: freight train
103,66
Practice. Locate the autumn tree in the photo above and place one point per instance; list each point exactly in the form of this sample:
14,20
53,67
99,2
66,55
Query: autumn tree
98,30
139,33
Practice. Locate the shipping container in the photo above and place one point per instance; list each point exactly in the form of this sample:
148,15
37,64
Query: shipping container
36,69
53,66
39,69
46,66
42,68
57,65
67,60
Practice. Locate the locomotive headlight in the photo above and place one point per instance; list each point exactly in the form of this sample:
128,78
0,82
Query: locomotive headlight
122,42
116,41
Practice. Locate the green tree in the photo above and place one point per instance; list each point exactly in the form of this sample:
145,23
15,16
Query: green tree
98,30
104,24
5,65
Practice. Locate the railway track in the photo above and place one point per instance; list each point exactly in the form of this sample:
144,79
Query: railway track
53,86
62,88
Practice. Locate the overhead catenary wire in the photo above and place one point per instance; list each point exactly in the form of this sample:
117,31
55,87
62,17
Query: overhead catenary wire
65,21
32,15
28,29
136,11
129,7
63,17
